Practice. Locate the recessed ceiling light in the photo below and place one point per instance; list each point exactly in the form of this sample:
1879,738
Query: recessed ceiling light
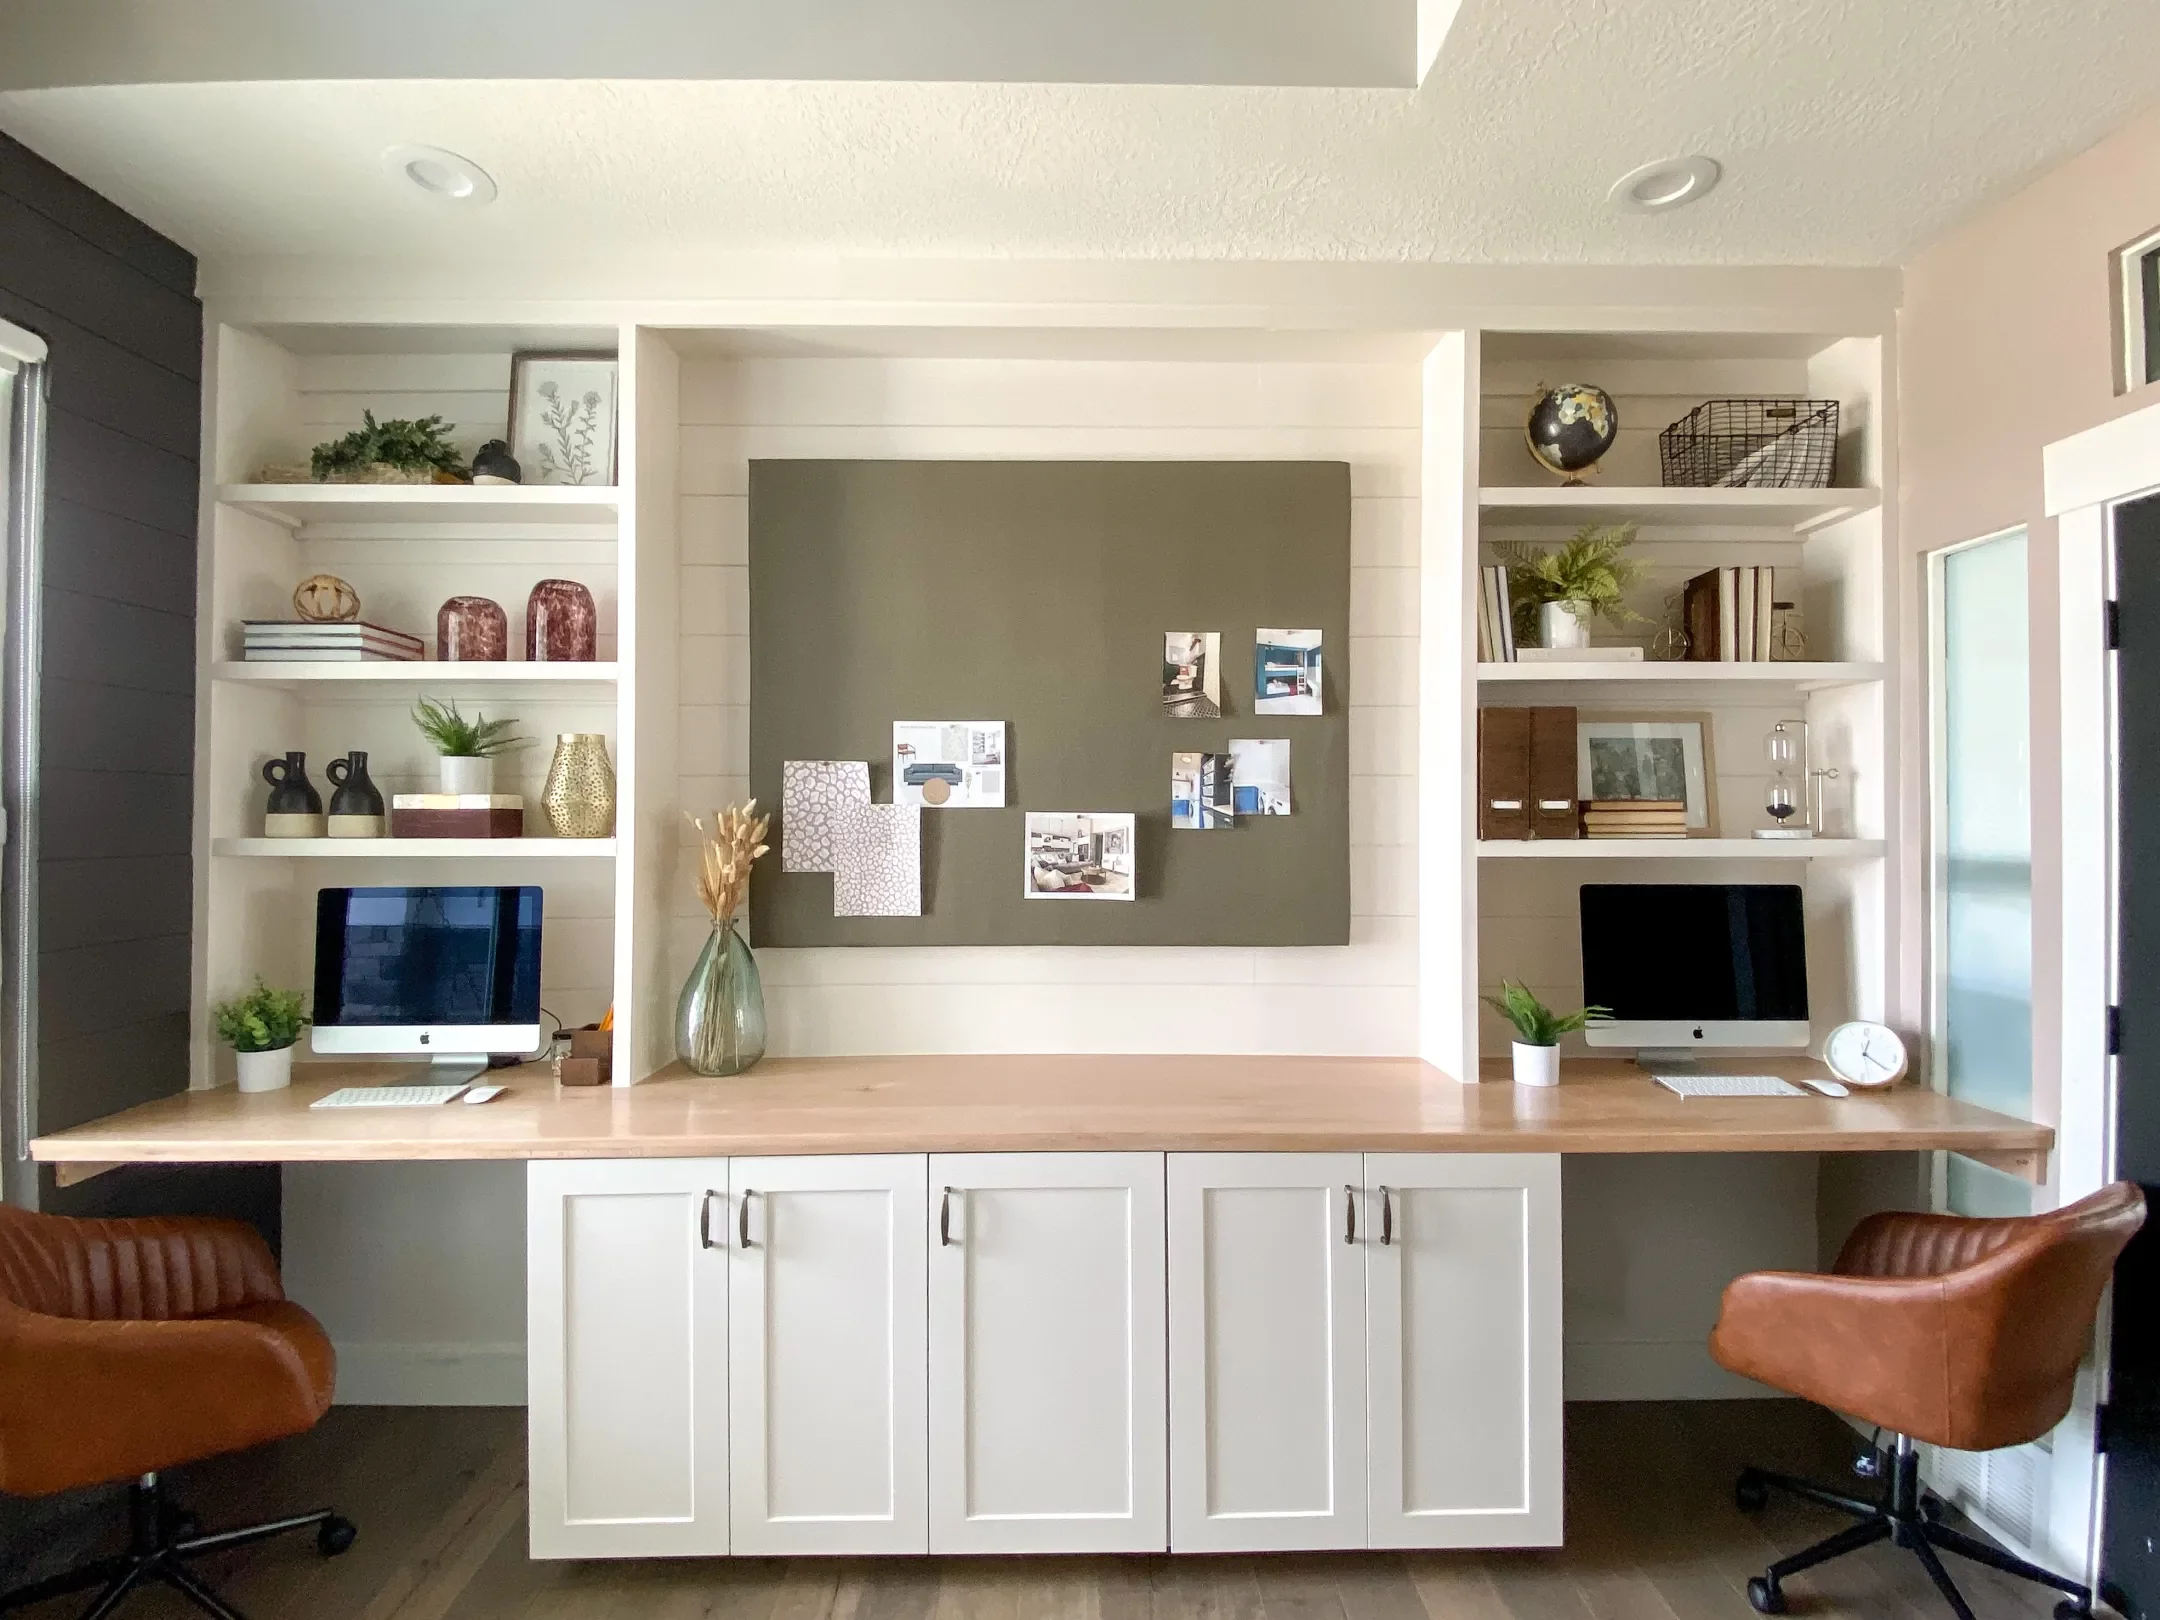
442,175
1666,184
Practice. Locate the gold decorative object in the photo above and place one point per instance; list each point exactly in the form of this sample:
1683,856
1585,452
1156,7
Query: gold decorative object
580,792
325,599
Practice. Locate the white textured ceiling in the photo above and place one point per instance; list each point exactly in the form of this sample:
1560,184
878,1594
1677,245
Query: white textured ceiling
1852,131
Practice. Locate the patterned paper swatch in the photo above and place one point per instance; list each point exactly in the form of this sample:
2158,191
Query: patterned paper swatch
877,871
813,793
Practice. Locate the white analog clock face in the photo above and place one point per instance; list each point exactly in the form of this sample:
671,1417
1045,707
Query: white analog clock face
1863,1054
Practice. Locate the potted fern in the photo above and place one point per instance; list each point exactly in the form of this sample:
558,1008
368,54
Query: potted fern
399,451
468,747
262,1026
1537,1031
1559,592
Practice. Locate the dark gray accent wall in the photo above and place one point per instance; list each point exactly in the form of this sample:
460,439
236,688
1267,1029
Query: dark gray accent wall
116,303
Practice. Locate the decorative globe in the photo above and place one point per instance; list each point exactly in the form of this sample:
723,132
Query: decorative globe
1570,427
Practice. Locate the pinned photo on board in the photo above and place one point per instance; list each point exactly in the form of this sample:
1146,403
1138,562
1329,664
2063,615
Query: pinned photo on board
1200,792
1286,672
1192,674
949,764
1260,776
1077,855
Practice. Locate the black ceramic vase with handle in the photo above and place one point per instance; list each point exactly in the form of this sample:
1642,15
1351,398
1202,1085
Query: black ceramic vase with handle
295,808
356,808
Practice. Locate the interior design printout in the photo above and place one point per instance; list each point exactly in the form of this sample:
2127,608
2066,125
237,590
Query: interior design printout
949,764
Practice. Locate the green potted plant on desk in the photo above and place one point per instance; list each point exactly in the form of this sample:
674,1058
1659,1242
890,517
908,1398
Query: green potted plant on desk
1537,1031
262,1026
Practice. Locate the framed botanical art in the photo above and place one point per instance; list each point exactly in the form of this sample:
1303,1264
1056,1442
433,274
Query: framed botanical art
1661,758
562,417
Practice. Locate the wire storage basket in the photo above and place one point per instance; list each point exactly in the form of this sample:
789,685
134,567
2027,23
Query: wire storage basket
1752,444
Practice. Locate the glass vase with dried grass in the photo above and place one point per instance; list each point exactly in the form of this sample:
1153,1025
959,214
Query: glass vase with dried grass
720,1016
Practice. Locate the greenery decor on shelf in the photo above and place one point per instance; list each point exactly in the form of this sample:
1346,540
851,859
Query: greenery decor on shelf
1535,1023
417,448
456,737
1587,577
261,1019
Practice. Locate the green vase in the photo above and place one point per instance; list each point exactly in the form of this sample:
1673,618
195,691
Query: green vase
720,1018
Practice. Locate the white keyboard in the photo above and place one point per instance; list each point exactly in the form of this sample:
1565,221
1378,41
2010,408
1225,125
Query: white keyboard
387,1097
1727,1085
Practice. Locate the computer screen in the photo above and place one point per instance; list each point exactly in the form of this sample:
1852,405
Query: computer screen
418,957
1701,955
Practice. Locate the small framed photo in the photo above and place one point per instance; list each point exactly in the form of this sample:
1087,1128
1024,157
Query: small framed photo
1659,759
562,417
1078,856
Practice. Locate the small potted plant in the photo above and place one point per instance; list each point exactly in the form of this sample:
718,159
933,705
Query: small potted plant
394,452
261,1026
468,747
1537,1032
1557,593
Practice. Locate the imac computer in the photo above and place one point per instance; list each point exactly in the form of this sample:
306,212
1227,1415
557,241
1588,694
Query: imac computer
1684,966
452,975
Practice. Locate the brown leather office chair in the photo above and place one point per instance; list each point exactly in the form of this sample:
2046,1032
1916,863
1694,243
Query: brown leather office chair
1961,1333
127,1347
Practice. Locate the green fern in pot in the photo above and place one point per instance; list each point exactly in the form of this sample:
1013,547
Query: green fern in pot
1538,1030
1582,580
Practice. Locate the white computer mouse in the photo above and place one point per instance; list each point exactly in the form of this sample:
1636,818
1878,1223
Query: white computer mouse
1829,1088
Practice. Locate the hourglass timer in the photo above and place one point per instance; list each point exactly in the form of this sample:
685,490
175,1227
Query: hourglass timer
1786,799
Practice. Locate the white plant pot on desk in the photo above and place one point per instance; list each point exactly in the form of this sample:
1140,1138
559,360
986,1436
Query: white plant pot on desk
1537,1065
468,773
265,1071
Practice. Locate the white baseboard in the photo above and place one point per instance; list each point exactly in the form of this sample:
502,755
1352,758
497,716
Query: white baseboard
1652,1370
430,1374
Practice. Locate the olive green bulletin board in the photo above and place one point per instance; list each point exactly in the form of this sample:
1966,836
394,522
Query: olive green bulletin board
1038,593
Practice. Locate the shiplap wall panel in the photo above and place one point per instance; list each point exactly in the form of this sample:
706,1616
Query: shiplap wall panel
1358,998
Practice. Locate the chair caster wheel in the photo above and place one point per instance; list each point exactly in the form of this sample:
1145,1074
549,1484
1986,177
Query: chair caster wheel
335,1536
1764,1597
2071,1609
1750,1493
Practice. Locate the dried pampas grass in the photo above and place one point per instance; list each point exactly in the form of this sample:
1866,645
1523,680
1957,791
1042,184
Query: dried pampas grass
731,846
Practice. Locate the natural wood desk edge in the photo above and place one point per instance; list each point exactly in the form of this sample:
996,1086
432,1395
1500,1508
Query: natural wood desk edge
977,1104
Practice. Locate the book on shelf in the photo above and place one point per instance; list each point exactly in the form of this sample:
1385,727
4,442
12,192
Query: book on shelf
1487,646
1730,615
1579,655
1496,619
302,641
326,655
1634,818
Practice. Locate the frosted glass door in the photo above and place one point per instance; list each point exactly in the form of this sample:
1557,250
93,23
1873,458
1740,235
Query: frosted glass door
1983,860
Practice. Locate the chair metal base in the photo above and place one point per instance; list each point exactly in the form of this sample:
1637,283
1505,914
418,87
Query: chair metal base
1907,1517
162,1538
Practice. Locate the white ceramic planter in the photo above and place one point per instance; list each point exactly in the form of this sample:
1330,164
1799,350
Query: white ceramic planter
468,773
1557,627
265,1071
1537,1065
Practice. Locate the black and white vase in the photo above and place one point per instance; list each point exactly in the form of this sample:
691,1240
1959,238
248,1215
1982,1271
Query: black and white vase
295,809
356,808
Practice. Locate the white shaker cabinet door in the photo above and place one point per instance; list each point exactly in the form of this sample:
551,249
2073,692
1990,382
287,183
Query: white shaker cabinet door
826,1371
1267,1351
1047,1414
1463,1283
626,1305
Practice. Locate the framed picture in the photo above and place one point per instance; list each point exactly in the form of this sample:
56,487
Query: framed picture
562,417
1649,757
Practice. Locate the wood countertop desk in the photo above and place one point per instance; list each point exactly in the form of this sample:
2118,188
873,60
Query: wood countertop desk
1043,1104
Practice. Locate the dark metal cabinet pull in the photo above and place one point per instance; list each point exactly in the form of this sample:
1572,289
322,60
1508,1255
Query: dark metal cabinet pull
704,1218
944,1219
1349,1210
1387,1216
742,1218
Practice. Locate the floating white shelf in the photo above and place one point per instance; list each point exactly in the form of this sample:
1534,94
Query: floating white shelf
418,849
1680,849
423,673
1806,677
1503,506
517,508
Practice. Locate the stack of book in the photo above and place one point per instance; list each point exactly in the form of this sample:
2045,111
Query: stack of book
1496,617
1634,818
1730,615
302,641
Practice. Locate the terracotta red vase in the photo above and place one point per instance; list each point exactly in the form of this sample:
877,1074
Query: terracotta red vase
471,630
561,624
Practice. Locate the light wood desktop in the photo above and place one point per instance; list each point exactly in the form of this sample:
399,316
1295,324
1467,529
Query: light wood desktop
1059,1103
